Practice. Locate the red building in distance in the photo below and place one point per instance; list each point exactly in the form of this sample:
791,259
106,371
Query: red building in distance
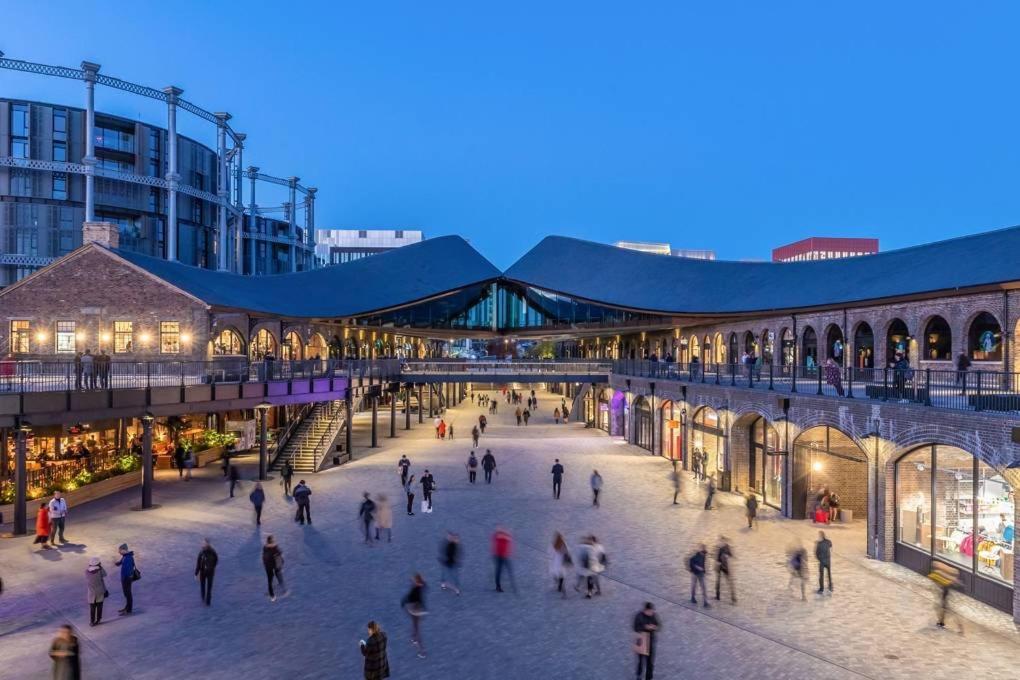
824,248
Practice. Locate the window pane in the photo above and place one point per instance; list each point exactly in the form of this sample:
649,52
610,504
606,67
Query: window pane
169,337
954,511
913,499
995,525
123,337
65,337
21,337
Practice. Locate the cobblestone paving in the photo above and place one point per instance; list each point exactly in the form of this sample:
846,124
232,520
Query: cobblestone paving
877,624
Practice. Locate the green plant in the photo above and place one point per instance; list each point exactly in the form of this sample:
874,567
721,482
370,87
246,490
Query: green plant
127,463
211,438
84,477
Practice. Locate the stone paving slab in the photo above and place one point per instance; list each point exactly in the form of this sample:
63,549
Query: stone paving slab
877,624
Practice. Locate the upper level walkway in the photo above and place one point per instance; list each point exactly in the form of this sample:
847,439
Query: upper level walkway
506,371
958,390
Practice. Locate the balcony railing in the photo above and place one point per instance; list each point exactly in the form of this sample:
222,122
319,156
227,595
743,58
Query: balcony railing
482,369
961,390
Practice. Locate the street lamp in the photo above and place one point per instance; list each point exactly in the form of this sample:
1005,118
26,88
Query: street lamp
21,479
263,409
147,421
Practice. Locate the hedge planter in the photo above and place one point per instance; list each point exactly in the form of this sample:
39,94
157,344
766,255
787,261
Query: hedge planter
79,496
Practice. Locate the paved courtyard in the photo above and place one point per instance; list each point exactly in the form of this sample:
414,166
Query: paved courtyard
877,624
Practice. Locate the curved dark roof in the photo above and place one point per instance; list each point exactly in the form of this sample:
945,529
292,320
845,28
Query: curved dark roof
673,285
390,279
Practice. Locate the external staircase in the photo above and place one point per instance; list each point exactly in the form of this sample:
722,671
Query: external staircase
312,442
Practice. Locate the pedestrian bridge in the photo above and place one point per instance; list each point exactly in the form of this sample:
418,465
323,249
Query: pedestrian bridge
501,372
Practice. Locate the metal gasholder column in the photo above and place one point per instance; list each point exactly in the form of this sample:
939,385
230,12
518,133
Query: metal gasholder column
89,160
172,177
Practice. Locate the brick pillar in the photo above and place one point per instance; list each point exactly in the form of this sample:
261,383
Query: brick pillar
104,233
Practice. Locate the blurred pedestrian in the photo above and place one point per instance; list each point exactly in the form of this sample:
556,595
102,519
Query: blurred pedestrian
751,503
409,490
675,477
557,473
366,513
128,575
556,415
286,473
724,568
42,526
798,569
823,553
696,565
450,561
596,486
377,665
599,562
472,468
646,625
560,562
403,465
272,562
709,492
945,577
502,550
488,465
383,518
95,584
58,515
66,655
527,416
205,571
235,479
474,436
258,499
302,496
414,604
428,485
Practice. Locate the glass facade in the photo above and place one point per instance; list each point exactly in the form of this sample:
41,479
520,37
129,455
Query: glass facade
767,466
956,508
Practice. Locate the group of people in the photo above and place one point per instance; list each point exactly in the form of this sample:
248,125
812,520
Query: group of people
589,561
826,506
427,482
443,429
92,371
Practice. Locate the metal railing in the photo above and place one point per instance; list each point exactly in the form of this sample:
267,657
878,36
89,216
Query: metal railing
51,473
483,368
950,389
55,376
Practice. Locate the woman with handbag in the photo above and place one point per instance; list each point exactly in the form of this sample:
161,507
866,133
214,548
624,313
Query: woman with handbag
272,562
94,575
414,605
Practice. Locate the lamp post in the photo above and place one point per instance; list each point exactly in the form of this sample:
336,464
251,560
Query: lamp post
147,421
20,479
263,409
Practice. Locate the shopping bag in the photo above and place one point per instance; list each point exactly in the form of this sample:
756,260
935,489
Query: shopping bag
425,506
821,516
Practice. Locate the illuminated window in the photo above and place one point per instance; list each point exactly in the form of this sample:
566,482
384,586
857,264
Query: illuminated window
21,337
227,342
65,337
123,337
169,337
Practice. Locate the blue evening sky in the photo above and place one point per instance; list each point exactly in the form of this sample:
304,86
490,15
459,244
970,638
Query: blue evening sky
736,126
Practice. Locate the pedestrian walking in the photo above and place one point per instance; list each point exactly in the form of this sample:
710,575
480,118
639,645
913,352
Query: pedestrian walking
751,503
383,518
128,575
442,429
834,376
409,490
235,479
596,487
520,415
189,465
472,468
560,563
437,422
179,455
428,485
449,558
66,655
272,562
502,551
257,498
449,431
675,477
557,473
474,436
798,569
696,565
403,466
823,553
482,422
598,565
302,495
414,604
366,513
556,415
488,465
377,665
945,577
724,568
646,625
95,584
205,571
286,472
710,492
527,416
57,516
42,526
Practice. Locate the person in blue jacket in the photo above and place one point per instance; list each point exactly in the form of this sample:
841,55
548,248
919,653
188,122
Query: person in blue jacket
126,562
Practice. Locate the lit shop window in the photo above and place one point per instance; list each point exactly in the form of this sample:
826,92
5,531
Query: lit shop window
169,337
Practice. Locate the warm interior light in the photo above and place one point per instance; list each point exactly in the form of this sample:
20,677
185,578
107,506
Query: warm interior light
144,337
185,337
40,336
106,337
816,466
80,336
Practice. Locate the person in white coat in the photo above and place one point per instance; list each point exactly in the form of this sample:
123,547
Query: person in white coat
560,562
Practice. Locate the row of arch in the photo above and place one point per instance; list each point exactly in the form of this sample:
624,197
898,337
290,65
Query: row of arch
949,505
984,343
229,342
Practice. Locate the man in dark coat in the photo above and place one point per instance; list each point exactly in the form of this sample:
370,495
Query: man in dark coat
304,504
205,570
377,666
646,625
488,464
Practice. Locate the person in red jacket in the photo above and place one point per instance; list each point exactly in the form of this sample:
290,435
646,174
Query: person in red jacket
42,526
502,549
